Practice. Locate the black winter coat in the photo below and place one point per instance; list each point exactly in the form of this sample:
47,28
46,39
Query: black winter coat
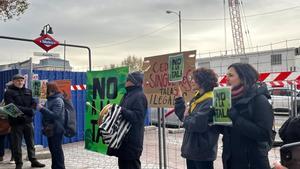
200,140
133,108
245,144
22,98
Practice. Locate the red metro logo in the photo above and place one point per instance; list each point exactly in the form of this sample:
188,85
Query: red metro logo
46,42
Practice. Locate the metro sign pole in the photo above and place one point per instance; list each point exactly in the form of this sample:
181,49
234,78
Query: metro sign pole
48,43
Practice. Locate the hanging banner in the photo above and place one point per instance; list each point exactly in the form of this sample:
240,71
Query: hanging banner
64,87
159,85
103,87
222,104
34,77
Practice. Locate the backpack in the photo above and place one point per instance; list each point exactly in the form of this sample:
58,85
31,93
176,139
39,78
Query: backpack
70,118
289,131
272,133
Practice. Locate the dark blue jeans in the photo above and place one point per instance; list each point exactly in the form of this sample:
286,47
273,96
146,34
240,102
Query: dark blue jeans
192,164
57,154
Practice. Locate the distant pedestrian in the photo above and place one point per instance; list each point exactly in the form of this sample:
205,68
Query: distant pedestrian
200,140
247,142
4,121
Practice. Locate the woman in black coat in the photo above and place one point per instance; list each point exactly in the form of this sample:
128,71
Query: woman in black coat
53,124
247,142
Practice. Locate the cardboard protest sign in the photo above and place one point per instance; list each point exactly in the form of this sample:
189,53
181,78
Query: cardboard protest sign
65,87
222,104
103,87
159,90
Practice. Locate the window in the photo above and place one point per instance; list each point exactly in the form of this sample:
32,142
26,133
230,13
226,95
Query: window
244,60
282,92
204,64
276,59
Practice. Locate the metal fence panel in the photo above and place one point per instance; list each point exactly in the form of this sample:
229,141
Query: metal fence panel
78,99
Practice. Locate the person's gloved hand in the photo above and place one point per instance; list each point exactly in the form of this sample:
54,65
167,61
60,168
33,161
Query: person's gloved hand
233,114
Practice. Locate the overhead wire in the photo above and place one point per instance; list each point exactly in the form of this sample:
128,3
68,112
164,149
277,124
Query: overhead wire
191,19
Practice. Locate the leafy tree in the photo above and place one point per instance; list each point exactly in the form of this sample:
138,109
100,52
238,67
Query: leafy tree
12,8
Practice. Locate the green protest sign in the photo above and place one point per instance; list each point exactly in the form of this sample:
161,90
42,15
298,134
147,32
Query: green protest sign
222,104
39,90
36,88
11,110
176,66
103,87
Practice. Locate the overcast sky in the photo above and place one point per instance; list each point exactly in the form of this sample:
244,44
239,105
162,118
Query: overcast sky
114,29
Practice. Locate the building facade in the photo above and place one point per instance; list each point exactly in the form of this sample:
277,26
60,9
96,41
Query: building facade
277,60
56,64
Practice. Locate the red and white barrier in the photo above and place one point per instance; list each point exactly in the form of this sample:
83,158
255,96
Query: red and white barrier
78,87
279,79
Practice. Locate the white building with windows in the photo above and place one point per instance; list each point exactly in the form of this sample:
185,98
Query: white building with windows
277,60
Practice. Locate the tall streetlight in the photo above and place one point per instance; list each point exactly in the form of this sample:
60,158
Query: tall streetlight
46,29
179,17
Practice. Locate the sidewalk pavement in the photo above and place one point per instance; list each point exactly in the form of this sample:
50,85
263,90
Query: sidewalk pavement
76,157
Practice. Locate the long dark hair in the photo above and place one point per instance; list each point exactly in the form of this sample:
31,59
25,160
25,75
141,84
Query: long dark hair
247,74
205,78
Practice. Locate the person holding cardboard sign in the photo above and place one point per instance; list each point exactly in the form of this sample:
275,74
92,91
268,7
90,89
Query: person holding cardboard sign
200,141
246,143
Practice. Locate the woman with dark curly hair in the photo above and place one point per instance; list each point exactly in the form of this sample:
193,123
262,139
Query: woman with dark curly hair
247,141
199,145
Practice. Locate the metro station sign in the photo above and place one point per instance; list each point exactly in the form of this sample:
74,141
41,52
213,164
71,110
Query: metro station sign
46,42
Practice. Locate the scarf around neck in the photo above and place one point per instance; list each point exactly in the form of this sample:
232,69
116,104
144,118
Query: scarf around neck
237,92
201,98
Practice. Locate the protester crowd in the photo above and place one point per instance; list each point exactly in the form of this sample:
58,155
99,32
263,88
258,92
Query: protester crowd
245,143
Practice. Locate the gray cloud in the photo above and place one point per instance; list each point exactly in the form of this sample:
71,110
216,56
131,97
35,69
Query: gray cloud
97,23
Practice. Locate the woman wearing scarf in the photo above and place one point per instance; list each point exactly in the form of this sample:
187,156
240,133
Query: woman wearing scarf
246,142
199,145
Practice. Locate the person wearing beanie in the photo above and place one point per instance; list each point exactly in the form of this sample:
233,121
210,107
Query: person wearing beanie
133,109
22,126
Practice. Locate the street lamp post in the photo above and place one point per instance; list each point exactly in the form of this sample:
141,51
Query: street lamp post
179,19
47,29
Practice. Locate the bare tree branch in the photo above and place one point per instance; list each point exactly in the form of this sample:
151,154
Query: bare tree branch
12,8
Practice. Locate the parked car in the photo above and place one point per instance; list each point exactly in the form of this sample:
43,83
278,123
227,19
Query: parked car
281,99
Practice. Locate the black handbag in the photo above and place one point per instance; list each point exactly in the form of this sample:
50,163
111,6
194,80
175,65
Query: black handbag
48,130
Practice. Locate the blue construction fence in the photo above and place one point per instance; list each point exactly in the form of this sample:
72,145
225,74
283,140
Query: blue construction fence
78,99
